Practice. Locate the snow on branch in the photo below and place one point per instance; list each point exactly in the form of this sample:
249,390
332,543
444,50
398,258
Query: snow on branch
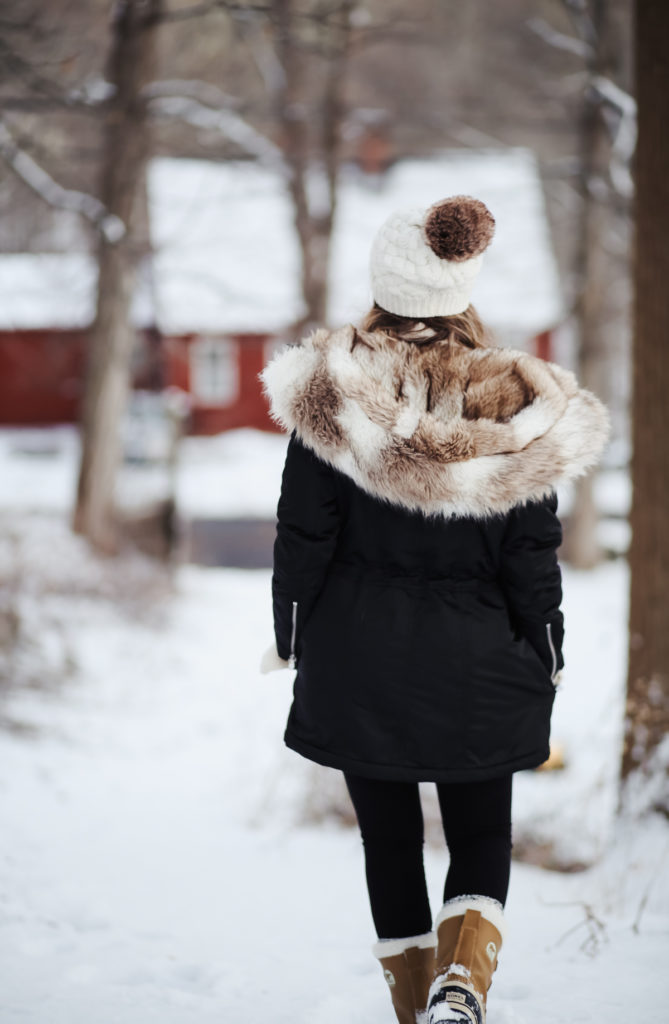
624,141
36,178
94,91
194,88
226,122
559,40
614,95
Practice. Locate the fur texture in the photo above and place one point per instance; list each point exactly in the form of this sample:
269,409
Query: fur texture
491,909
459,228
437,428
393,947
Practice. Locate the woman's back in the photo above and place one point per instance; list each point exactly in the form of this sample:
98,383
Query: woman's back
416,586
415,577
378,536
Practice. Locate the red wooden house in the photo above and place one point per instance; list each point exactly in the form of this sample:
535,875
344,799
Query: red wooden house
222,288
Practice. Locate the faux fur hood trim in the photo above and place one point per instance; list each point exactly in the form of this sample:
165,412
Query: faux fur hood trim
437,428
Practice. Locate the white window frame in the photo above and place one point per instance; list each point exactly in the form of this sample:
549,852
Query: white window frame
213,362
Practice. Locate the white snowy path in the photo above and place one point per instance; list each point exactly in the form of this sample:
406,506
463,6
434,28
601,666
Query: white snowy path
151,870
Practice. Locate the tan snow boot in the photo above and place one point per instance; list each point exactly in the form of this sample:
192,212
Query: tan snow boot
408,967
469,937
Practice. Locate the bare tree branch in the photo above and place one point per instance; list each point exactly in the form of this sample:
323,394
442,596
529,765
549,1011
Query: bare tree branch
583,20
87,98
30,23
193,88
37,179
262,54
624,134
559,40
226,122
16,65
614,95
209,6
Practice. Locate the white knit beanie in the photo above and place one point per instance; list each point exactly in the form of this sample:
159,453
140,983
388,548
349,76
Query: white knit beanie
424,262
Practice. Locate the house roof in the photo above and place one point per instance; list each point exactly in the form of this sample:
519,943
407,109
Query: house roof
47,290
518,288
225,255
226,258
56,291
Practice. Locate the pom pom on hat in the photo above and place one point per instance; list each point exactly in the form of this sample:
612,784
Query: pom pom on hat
459,228
424,262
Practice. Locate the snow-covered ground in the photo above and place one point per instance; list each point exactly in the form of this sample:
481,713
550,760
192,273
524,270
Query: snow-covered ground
156,867
232,475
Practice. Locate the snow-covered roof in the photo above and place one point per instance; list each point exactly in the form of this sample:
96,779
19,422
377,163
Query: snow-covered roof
518,287
47,290
226,257
56,291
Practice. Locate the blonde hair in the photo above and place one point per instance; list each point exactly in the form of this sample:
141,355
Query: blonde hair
466,327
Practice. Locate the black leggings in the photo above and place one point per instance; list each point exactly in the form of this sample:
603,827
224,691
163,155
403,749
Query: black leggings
477,824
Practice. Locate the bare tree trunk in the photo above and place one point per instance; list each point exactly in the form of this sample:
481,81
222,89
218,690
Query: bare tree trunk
595,267
333,111
303,152
126,150
647,719
291,116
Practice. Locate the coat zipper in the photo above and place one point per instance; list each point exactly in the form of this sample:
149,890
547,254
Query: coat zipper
292,660
549,634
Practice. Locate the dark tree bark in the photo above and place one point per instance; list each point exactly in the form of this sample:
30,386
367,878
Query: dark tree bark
595,267
647,718
304,150
338,42
126,150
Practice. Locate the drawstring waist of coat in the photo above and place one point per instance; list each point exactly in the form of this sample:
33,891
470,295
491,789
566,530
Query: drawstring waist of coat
381,575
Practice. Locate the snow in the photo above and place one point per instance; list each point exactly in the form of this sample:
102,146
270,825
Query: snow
171,860
231,475
57,291
38,468
613,492
517,291
572,811
46,290
226,258
234,474
53,193
159,868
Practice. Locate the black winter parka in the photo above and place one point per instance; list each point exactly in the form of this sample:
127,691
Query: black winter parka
416,585
424,647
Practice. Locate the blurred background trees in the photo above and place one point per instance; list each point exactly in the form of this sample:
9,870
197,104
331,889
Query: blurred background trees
303,87
91,90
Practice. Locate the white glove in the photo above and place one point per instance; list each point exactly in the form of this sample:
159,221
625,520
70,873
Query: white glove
271,662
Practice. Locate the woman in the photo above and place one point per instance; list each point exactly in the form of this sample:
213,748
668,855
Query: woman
416,586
